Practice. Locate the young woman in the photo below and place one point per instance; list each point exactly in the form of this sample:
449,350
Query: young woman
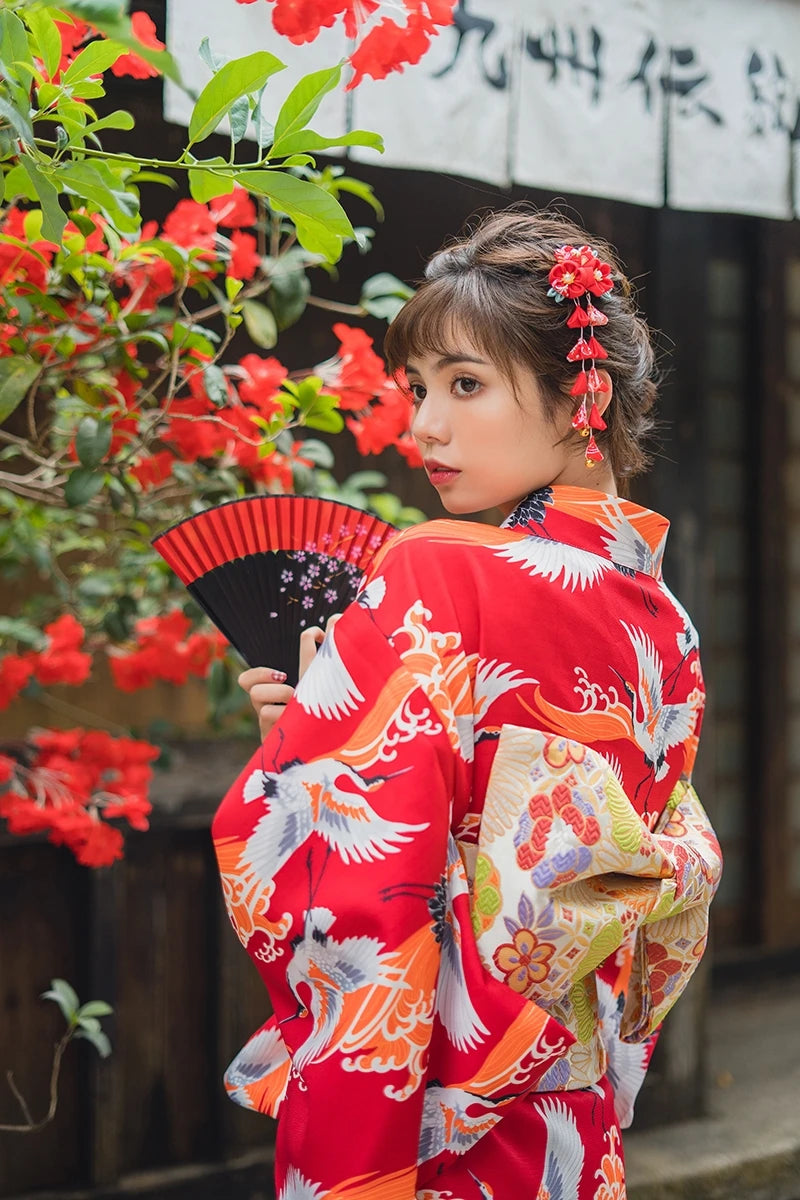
468,860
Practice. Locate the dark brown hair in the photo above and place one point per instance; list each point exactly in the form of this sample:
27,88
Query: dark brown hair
492,284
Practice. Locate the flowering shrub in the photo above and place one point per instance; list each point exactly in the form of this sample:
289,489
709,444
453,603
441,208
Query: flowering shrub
121,404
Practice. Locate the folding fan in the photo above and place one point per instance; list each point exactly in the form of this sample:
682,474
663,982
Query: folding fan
264,568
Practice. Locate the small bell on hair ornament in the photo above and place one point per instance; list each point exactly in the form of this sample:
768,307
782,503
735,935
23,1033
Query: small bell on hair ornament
580,422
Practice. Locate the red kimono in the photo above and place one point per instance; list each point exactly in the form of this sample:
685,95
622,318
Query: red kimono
469,864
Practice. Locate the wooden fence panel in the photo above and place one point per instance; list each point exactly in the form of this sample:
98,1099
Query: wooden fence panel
42,895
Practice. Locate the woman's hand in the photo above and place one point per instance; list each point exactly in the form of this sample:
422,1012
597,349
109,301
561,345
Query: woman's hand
268,691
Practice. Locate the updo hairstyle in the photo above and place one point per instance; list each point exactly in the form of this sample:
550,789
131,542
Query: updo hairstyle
491,286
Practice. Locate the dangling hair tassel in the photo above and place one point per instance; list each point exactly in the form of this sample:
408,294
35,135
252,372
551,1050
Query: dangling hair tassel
579,272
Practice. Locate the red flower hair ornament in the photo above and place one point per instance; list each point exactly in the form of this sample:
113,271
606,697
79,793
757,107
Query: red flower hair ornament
579,272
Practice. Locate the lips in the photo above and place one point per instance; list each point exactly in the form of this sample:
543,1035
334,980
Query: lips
440,473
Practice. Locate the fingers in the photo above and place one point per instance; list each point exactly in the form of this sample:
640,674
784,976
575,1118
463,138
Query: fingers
309,640
254,676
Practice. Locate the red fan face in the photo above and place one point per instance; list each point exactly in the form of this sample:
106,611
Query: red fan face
266,567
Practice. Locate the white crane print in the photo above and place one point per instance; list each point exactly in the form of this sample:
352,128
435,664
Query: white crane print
330,970
326,797
564,1153
327,689
657,726
540,556
447,1123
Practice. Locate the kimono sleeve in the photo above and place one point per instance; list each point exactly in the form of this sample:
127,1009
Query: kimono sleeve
582,874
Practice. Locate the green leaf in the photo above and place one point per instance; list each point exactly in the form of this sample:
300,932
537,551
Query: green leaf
237,78
260,323
47,39
94,10
357,187
98,184
303,101
289,290
308,139
82,485
18,183
95,1008
65,997
205,185
320,220
212,61
119,119
320,453
92,441
16,377
216,385
385,284
14,52
239,118
54,216
98,1039
18,120
92,60
22,631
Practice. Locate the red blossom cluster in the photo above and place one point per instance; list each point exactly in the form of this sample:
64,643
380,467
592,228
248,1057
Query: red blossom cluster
379,404
386,46
75,33
165,650
61,661
70,783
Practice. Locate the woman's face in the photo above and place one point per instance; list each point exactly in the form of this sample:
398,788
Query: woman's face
483,447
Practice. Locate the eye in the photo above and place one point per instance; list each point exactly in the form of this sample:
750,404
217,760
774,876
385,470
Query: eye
417,393
465,385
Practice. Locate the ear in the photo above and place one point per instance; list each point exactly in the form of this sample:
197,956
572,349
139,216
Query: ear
603,399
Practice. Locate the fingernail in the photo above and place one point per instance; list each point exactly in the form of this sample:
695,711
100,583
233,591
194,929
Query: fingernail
279,676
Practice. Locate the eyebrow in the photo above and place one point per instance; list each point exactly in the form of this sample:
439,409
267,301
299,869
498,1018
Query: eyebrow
449,360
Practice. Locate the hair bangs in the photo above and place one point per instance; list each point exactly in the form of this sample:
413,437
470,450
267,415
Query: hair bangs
442,316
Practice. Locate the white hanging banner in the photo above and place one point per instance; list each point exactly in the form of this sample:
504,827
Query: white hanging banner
451,111
732,73
584,122
695,103
234,30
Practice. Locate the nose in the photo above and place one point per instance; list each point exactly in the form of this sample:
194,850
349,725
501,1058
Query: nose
429,423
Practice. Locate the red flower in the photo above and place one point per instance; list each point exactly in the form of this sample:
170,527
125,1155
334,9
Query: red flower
264,378
236,210
132,64
409,450
23,815
153,470
149,279
389,47
191,436
15,673
7,768
301,20
356,12
62,661
244,258
190,225
18,266
135,810
359,376
101,846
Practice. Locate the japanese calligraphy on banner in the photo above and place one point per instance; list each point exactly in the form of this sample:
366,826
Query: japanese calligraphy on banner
693,103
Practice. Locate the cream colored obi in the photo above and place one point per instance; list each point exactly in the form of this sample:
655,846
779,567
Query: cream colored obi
566,874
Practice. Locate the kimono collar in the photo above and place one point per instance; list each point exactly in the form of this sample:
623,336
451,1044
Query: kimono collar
632,537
